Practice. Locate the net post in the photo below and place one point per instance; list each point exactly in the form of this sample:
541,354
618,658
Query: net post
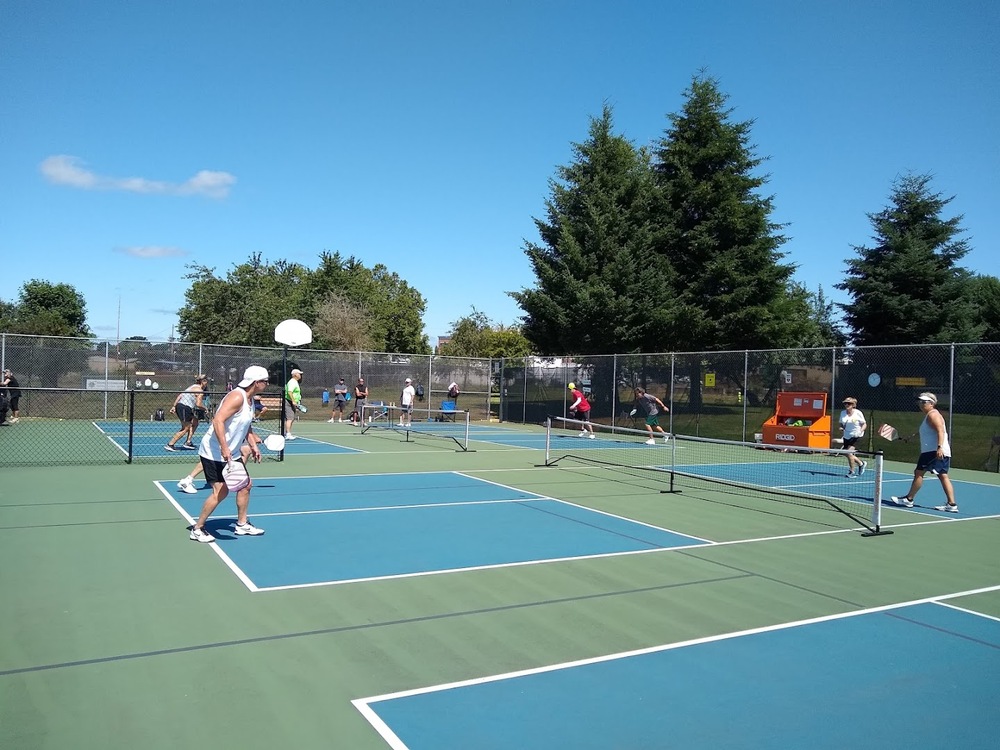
466,446
876,519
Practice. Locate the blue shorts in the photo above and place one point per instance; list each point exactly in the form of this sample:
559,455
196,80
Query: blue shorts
930,462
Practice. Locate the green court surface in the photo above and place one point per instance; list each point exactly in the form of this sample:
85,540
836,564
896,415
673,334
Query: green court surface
118,632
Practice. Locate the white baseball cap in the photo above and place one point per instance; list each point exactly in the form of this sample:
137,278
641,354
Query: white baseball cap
407,381
252,374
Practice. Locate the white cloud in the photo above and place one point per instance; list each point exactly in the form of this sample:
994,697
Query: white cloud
72,171
152,251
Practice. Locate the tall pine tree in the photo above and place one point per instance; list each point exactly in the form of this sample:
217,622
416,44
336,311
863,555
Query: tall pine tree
599,290
908,287
732,289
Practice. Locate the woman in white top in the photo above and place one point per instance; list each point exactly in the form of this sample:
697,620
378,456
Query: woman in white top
853,425
231,429
935,456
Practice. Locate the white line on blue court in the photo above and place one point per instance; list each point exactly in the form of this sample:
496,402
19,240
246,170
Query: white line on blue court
364,705
585,507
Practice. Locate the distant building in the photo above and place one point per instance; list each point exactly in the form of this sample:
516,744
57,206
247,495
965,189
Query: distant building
442,340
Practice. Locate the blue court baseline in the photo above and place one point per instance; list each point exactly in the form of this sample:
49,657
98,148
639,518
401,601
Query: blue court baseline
323,530
902,677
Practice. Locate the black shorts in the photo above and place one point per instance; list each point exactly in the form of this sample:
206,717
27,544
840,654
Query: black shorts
851,442
583,416
213,470
200,414
184,413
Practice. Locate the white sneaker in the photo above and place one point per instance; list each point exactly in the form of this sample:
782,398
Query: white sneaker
187,485
851,475
947,508
651,442
290,437
247,529
904,501
338,421
14,419
583,433
666,438
861,469
331,421
591,436
200,535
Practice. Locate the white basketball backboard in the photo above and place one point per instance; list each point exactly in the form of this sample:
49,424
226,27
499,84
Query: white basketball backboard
293,333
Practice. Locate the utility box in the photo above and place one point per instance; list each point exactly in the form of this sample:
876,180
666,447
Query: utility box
800,419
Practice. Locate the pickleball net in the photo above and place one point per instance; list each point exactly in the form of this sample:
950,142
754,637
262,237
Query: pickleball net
434,424
809,477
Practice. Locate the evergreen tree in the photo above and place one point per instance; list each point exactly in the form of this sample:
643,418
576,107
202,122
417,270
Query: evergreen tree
985,292
598,289
908,287
731,289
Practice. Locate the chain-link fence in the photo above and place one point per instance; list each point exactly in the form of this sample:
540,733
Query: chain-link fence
69,384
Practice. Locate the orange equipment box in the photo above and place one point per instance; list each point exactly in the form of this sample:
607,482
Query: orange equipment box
799,419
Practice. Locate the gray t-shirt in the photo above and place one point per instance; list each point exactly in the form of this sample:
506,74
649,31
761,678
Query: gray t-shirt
648,402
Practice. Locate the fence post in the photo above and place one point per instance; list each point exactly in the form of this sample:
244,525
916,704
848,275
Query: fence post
951,395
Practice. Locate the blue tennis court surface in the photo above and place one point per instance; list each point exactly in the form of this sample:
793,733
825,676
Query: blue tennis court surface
148,439
916,676
347,528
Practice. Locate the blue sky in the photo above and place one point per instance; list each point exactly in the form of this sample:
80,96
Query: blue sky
138,137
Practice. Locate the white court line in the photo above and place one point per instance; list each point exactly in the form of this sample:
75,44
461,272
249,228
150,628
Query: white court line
363,705
593,510
702,544
214,545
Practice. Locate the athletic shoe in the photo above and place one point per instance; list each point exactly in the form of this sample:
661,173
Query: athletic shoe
583,433
904,501
591,436
290,437
15,419
861,469
169,448
651,442
331,421
247,529
666,438
851,475
339,421
189,447
187,485
947,508
200,535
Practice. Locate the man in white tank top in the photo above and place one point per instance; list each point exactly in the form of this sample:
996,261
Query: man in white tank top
935,456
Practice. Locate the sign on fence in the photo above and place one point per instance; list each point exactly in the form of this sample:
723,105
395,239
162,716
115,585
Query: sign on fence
99,384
